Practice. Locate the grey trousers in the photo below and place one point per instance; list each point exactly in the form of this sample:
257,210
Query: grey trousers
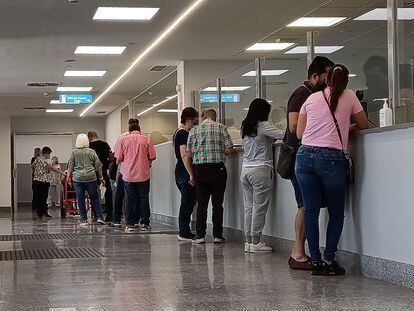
257,189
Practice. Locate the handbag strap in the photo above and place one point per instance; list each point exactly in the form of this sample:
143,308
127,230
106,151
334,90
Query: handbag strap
338,129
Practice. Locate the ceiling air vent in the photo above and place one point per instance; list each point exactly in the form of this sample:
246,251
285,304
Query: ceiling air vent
43,84
157,68
277,83
101,112
34,108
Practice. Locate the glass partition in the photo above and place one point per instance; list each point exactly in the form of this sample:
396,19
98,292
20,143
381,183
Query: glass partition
157,109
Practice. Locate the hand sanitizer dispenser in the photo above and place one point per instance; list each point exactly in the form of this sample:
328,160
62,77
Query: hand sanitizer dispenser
385,114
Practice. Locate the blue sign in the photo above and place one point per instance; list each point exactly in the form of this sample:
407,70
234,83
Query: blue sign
225,98
75,99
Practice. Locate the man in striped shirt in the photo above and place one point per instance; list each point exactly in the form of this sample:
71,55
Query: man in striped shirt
208,145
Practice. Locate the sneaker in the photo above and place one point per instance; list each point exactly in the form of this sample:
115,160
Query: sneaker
185,237
219,240
130,229
199,240
318,268
47,216
100,222
117,225
333,269
145,228
260,248
137,226
84,224
247,247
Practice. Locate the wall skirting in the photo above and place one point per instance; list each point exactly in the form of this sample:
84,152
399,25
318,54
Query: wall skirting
373,267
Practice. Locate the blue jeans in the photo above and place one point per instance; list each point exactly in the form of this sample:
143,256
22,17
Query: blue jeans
321,173
119,200
137,201
92,189
188,201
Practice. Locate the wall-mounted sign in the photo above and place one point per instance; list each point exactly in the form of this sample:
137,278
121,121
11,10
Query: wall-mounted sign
225,98
75,99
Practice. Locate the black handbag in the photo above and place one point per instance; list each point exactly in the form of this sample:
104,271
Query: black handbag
286,162
350,169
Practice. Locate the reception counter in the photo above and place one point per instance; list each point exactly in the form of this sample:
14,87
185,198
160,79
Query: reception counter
378,237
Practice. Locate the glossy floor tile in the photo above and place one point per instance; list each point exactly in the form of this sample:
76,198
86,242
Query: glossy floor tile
155,272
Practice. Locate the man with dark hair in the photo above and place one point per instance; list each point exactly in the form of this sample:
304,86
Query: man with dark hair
136,153
317,75
41,182
184,173
105,155
208,145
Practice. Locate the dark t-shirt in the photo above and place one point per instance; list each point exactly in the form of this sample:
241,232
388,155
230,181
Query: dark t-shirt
295,103
103,150
180,139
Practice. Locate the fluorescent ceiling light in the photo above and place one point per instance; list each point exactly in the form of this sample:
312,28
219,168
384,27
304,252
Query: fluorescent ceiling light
59,110
351,75
84,73
275,46
152,46
246,109
168,110
100,50
320,49
270,101
226,88
54,101
125,13
266,73
381,15
156,105
316,21
74,88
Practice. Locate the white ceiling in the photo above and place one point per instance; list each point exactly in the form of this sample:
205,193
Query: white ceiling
37,36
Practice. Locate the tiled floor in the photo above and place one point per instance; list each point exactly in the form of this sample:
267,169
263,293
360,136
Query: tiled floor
155,272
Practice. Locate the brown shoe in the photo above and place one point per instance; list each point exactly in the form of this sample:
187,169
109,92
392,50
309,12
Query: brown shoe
298,265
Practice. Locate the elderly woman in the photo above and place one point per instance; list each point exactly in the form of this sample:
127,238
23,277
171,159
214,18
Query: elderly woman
84,167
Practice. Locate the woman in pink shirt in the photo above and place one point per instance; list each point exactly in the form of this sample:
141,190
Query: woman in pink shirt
321,165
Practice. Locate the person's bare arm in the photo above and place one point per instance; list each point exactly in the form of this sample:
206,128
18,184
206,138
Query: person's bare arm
188,163
100,176
293,122
361,122
300,129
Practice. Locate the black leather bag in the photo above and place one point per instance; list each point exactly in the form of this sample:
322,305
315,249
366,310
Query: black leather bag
350,169
286,162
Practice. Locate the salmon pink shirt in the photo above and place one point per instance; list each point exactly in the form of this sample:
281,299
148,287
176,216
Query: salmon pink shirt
320,128
136,152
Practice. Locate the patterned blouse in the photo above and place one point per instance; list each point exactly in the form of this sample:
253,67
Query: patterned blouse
41,170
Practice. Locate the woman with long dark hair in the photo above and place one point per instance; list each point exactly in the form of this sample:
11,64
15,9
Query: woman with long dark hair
257,174
321,164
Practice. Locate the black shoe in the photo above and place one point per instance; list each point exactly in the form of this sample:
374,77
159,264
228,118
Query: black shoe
333,269
318,268
47,216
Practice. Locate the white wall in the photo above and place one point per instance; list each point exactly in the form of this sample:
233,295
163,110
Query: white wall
58,124
379,211
113,127
5,159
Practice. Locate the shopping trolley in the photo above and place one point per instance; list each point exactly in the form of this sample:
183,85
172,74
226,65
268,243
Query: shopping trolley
70,204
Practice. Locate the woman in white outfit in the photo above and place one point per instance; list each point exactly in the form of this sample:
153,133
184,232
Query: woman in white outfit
257,176
55,184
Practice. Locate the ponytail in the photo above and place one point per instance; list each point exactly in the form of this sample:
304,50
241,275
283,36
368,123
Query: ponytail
338,79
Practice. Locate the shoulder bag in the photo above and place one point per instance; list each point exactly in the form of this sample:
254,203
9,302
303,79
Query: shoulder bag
350,169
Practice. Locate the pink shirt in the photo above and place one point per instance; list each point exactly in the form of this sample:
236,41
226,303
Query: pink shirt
136,152
320,128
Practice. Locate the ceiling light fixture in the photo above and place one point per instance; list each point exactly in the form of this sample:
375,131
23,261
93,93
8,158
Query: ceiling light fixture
351,75
154,44
100,50
380,14
84,73
168,110
125,13
320,49
226,88
156,105
275,46
55,101
74,89
316,21
266,73
59,110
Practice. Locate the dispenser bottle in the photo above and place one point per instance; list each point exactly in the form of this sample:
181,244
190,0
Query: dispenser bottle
385,114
